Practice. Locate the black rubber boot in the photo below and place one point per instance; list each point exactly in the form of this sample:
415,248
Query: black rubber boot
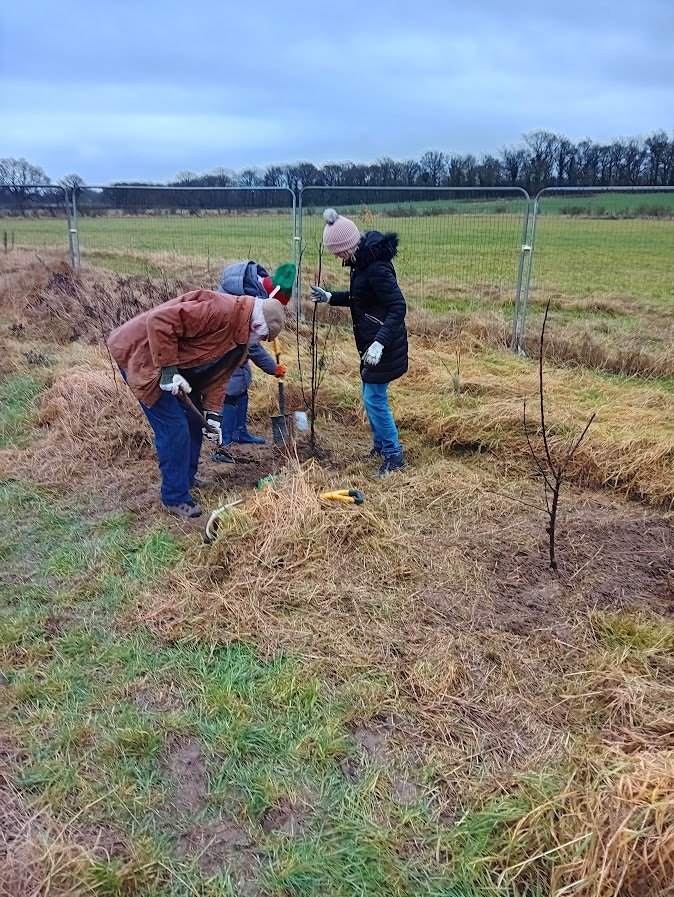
389,465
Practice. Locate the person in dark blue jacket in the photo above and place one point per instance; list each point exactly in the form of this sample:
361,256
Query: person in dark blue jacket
249,279
378,310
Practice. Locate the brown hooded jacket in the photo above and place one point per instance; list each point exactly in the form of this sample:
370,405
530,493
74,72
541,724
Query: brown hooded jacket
192,330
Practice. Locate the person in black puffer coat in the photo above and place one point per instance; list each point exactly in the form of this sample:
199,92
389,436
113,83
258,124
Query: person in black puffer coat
378,311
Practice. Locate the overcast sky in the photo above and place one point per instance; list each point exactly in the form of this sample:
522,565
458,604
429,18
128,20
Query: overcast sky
114,89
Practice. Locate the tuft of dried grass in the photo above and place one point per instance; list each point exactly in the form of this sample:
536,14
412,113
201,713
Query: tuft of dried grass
582,348
609,831
89,422
63,305
37,856
293,570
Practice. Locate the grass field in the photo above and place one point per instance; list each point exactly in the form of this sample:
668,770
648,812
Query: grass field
396,700
613,203
465,257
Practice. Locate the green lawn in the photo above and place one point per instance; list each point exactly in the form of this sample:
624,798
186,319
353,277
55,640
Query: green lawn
630,257
442,257
164,745
614,203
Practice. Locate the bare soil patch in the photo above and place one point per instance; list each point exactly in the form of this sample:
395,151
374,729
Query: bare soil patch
290,817
186,766
220,845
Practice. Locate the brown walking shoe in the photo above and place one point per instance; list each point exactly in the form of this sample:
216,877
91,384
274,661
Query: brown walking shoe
186,509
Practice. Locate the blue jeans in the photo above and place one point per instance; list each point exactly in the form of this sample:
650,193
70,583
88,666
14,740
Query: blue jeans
177,439
384,430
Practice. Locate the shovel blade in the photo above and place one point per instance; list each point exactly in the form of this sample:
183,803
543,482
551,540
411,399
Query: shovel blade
281,429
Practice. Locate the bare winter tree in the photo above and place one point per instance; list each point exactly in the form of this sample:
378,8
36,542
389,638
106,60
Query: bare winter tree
551,470
71,181
18,173
433,166
249,177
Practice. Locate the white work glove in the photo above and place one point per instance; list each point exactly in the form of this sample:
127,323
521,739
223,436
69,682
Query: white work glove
373,355
171,381
215,420
318,294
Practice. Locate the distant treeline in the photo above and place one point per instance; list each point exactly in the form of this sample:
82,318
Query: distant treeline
542,159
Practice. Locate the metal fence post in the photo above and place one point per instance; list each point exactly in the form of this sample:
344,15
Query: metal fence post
519,348
514,336
69,225
75,231
298,245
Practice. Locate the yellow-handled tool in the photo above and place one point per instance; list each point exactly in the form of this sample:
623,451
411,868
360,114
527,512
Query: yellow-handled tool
351,496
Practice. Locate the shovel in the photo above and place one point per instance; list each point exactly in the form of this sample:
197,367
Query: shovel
192,409
280,423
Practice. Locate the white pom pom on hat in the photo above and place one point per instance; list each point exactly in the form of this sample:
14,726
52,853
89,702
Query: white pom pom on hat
340,234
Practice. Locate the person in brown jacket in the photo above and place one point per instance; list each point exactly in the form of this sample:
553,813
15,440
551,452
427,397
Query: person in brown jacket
190,344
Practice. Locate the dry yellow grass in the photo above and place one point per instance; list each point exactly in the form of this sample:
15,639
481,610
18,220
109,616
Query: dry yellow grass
88,425
432,603
37,855
608,833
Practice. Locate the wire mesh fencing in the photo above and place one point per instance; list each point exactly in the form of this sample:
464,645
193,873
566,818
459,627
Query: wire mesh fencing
184,231
34,216
460,249
602,257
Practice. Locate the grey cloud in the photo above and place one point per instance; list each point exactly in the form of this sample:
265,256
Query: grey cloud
146,89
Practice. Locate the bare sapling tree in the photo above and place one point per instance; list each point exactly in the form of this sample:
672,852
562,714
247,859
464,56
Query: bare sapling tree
552,471
318,349
455,373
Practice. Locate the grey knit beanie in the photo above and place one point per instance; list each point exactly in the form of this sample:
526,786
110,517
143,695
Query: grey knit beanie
273,313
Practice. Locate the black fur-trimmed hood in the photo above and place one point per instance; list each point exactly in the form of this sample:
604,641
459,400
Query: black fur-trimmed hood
375,247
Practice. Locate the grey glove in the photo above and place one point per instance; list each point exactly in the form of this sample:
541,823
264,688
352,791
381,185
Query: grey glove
171,381
372,356
318,294
215,421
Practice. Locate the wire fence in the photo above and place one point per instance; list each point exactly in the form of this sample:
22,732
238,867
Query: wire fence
482,251
35,216
599,251
192,232
459,250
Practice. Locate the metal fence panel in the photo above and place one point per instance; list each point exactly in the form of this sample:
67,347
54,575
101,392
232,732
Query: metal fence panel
460,248
598,251
188,231
34,216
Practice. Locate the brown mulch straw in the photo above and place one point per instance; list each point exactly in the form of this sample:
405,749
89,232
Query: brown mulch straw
90,426
39,855
451,617
608,833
